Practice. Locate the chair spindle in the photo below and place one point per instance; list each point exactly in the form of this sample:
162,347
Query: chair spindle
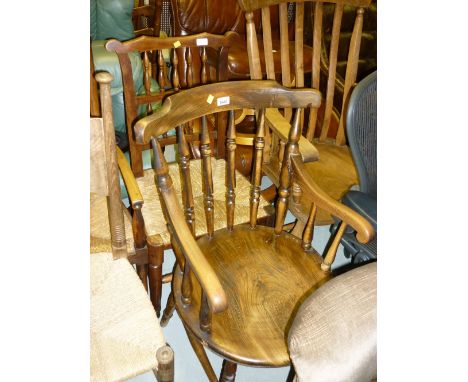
351,72
205,72
316,50
189,61
331,253
292,148
205,314
332,70
205,149
161,64
230,171
308,234
268,43
175,70
147,80
257,168
185,179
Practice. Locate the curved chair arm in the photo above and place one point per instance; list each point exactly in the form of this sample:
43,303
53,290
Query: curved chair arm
364,229
133,190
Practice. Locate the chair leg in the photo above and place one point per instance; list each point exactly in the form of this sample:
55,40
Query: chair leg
168,311
155,259
165,358
202,357
228,372
142,271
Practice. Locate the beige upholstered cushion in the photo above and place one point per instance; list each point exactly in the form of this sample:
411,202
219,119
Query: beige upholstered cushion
334,335
100,232
125,333
152,212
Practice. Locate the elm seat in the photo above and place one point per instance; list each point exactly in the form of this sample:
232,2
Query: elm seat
125,333
152,206
333,337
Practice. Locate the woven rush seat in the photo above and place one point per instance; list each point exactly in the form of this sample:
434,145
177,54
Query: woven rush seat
125,333
155,223
100,240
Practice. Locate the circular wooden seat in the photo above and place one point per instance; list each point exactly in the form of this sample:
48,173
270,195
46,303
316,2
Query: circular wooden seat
265,277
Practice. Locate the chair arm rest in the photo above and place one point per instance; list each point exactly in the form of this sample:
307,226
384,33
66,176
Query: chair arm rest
203,271
276,122
363,228
133,190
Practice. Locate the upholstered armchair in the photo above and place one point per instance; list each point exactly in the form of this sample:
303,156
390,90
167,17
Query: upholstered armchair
113,19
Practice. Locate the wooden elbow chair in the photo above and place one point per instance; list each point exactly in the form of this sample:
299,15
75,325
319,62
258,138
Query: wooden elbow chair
149,225
235,289
332,167
334,334
126,339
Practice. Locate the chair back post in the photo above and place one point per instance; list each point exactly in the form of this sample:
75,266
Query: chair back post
116,222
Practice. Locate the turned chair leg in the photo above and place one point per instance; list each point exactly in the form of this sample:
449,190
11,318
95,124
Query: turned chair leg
202,357
155,260
168,311
142,270
165,358
228,371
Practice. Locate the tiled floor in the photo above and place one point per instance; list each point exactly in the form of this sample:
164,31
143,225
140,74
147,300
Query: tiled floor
187,366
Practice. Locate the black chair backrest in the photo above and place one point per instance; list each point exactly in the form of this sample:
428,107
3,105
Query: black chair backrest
361,128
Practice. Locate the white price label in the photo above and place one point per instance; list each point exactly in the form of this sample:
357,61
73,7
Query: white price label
202,41
221,101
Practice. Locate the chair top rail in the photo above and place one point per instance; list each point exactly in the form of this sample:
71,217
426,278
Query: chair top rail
213,98
252,5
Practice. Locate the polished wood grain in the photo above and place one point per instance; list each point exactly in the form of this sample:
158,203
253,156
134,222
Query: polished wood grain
265,277
246,281
148,46
116,222
322,126
176,110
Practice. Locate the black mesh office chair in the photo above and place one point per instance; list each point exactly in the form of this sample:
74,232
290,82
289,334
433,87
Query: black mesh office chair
361,128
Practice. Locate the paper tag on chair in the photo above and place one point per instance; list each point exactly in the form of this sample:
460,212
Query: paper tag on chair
202,41
177,44
221,101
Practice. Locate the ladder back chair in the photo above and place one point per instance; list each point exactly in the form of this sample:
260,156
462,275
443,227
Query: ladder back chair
148,222
332,168
126,338
235,289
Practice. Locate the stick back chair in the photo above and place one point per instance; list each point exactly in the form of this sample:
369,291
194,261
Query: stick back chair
148,222
126,338
235,289
334,172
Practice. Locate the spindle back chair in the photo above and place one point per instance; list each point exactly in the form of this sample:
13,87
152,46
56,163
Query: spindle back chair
155,69
118,300
324,126
235,289
148,223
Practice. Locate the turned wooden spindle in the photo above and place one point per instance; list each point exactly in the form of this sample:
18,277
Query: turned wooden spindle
332,70
147,80
185,179
187,285
257,168
205,72
230,171
165,358
116,222
331,253
316,50
205,149
285,175
189,72
175,70
161,64
308,234
205,314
